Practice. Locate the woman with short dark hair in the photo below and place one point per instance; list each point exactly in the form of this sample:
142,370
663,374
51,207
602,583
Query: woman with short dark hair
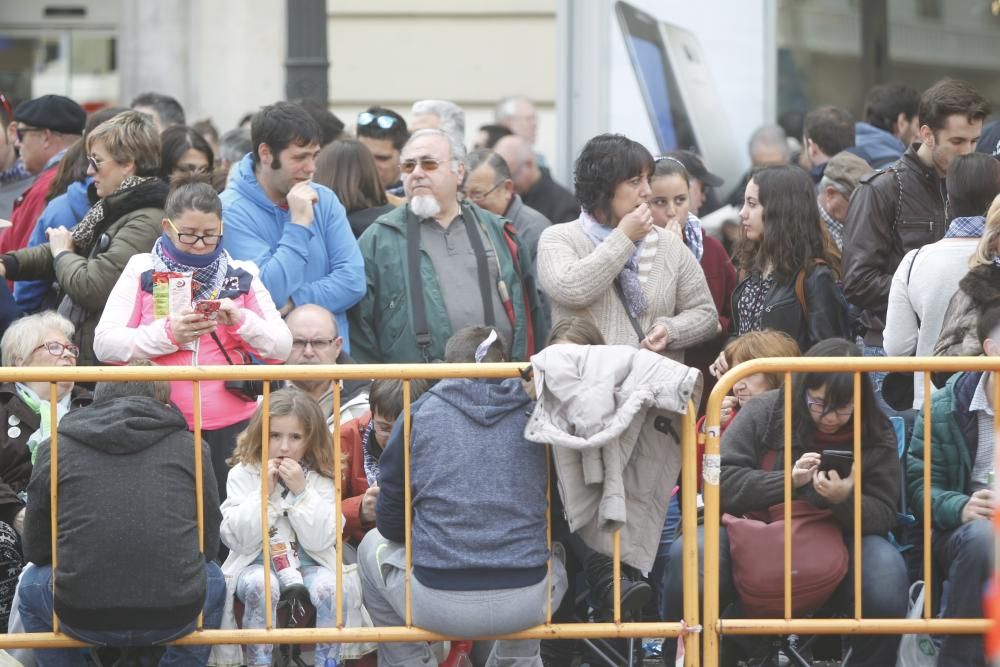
638,284
788,279
184,149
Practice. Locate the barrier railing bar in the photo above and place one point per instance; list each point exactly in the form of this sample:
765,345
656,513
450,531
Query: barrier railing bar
338,489
689,528
928,552
852,626
858,575
199,489
548,530
334,635
407,499
788,461
265,447
54,488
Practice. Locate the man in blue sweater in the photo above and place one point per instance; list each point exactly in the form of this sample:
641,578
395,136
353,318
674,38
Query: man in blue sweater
294,230
479,517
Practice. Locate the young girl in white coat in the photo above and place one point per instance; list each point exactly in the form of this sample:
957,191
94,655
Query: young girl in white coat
301,491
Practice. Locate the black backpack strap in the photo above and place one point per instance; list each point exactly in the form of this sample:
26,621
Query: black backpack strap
909,272
635,323
482,266
419,308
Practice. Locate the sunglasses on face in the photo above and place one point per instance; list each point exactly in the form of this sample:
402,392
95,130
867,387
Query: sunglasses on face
21,131
426,163
385,122
95,163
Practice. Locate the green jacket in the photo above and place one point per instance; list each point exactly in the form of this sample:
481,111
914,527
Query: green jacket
132,224
382,323
955,438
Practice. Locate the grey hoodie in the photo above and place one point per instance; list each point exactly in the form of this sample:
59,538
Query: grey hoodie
478,488
128,556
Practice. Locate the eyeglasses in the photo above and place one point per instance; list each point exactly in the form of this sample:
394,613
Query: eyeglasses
56,349
318,344
818,408
21,131
210,240
94,163
426,163
385,122
480,196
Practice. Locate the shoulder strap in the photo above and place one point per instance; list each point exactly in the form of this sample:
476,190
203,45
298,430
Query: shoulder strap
800,287
635,323
899,199
909,272
419,308
482,266
218,343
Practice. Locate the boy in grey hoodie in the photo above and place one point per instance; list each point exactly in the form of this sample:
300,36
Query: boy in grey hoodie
479,517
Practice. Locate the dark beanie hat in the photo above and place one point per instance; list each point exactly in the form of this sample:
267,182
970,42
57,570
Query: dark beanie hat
52,112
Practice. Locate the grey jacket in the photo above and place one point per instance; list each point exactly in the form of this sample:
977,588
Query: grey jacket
528,223
611,414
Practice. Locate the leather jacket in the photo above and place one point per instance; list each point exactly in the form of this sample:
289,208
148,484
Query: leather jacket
827,316
893,211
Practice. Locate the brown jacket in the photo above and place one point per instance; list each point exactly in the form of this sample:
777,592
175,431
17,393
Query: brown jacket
893,211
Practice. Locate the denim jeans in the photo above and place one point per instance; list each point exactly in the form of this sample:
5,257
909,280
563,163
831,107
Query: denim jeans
966,557
35,606
658,575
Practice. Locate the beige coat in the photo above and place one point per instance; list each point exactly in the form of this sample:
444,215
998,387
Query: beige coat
602,408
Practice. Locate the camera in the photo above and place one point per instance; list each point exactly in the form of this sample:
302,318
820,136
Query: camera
250,390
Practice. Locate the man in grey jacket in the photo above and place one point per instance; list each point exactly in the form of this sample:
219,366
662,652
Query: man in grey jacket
130,571
479,517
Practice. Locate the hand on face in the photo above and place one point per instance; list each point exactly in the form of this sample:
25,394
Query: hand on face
637,223
292,474
301,199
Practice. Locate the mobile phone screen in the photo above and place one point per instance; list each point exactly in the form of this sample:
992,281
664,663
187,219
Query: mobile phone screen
656,78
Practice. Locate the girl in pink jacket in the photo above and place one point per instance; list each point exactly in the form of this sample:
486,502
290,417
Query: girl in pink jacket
243,321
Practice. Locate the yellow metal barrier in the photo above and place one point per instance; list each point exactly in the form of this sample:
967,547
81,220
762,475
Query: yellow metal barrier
714,627
688,628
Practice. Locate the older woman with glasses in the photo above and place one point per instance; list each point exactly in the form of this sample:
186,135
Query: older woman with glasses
26,414
228,317
123,158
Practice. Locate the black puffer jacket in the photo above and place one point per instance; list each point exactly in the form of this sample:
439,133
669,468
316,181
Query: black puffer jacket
978,289
889,215
827,317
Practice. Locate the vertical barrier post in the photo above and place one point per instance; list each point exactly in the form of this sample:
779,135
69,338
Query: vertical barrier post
616,574
199,490
407,499
710,489
689,531
788,496
54,488
265,450
548,529
927,494
338,492
857,472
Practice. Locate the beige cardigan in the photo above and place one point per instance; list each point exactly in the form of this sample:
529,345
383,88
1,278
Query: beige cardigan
579,280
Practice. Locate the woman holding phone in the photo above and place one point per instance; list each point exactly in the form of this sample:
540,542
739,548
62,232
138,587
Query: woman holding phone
229,317
823,416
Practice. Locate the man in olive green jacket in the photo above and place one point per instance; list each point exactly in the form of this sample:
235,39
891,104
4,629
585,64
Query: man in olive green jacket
472,269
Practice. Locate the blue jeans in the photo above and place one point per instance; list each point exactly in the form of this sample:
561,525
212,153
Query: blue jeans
658,575
35,605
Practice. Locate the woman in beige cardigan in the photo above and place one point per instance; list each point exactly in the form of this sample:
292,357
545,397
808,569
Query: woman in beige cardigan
638,284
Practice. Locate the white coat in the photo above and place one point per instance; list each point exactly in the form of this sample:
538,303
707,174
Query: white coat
311,516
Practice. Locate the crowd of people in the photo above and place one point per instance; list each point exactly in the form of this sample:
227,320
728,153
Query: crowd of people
135,239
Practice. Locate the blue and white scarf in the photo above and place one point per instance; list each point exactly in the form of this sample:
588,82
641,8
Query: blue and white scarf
694,238
635,300
966,228
371,461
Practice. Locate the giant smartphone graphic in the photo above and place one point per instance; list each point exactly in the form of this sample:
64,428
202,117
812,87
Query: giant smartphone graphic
667,112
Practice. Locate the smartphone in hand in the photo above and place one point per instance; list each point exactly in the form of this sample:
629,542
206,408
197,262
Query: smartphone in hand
207,307
841,460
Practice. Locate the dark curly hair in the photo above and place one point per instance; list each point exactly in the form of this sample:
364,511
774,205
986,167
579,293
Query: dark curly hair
606,161
793,234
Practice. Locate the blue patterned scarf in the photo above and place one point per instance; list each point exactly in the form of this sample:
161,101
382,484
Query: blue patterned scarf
694,238
966,228
635,300
207,278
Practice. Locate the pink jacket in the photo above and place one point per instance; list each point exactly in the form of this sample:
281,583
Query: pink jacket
128,331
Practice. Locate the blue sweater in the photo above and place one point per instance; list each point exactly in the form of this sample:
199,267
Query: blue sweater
318,264
876,147
478,488
64,211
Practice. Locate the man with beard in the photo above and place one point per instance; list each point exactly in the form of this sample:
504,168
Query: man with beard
316,340
437,265
294,230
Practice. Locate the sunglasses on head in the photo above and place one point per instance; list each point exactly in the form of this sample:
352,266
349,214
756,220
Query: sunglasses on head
385,122
426,164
